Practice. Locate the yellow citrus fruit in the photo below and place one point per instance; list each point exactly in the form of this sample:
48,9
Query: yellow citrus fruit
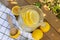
45,28
37,34
15,36
25,19
15,10
28,18
34,16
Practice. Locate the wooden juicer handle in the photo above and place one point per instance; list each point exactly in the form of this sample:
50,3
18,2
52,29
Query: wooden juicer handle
13,30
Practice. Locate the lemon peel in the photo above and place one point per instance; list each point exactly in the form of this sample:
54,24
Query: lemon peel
46,28
37,34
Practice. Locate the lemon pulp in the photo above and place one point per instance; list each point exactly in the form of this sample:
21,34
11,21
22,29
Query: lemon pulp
15,10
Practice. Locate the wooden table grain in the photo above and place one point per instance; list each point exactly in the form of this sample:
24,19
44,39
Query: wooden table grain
54,33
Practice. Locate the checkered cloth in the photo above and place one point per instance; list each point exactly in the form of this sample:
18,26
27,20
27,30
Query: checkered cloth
5,27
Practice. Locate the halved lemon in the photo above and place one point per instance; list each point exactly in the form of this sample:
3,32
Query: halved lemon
16,36
15,10
37,34
45,28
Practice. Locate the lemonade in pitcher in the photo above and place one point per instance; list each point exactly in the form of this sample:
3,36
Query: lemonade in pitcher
30,18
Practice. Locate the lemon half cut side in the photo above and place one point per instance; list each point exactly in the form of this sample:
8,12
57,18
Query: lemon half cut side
15,10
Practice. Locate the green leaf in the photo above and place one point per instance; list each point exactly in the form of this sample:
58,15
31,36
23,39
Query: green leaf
55,8
58,16
38,4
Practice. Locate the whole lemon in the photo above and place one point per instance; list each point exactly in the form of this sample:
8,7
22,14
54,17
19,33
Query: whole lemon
37,34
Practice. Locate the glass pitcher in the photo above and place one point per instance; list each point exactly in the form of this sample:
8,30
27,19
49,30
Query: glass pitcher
34,14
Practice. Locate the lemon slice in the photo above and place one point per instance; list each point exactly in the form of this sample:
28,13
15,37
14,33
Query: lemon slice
37,34
15,36
28,18
15,10
34,16
25,19
46,28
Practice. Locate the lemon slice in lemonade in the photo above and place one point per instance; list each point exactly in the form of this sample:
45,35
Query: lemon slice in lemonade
34,16
28,18
15,10
25,17
37,34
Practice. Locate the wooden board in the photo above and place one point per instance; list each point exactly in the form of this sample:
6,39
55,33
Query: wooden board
31,1
53,35
45,37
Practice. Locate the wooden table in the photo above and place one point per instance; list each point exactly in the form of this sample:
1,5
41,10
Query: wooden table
54,33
